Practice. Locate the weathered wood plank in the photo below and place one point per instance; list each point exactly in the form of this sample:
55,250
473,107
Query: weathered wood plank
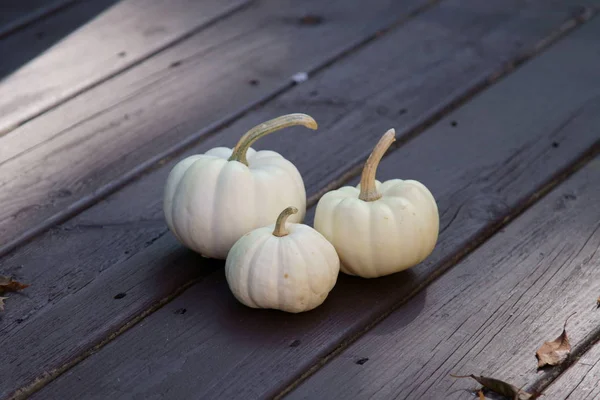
127,211
581,381
221,349
87,43
88,146
489,314
15,14
84,251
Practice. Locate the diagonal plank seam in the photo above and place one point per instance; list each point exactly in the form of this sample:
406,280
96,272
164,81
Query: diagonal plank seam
589,341
203,134
478,86
39,15
157,160
446,264
49,376
129,324
454,259
183,37
577,352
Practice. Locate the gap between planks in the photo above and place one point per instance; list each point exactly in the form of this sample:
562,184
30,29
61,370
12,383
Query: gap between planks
224,14
113,185
539,216
580,380
49,373
566,171
588,345
48,376
30,18
589,156
454,259
483,83
580,350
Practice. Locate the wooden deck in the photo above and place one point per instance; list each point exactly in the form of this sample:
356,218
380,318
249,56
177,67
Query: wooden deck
496,105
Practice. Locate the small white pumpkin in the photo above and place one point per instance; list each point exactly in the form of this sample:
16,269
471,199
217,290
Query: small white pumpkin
212,199
379,228
289,267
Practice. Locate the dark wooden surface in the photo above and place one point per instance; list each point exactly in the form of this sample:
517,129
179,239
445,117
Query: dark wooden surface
476,190
17,14
111,280
87,147
581,381
490,313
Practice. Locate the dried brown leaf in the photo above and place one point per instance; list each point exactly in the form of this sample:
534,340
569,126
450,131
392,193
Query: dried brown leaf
480,394
10,285
598,302
2,303
502,388
556,351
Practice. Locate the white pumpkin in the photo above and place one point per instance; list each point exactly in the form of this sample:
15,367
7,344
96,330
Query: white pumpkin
212,199
289,267
379,228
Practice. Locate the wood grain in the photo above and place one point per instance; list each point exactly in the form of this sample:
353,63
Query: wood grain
83,251
76,152
220,349
581,381
489,314
91,41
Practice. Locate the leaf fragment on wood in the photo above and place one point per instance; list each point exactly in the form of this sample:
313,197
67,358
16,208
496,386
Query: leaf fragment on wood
598,302
556,351
480,394
502,388
2,303
10,285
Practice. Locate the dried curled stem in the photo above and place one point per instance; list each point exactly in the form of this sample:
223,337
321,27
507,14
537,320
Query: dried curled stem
368,189
280,230
242,146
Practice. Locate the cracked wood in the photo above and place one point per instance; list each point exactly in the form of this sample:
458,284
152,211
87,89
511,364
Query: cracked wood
76,151
489,314
265,350
581,381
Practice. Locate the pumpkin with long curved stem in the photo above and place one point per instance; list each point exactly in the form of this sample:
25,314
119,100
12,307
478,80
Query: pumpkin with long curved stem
213,199
379,228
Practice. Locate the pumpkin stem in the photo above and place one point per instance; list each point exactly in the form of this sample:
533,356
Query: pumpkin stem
242,146
280,230
368,189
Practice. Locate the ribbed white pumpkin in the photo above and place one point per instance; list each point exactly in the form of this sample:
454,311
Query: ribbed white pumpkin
379,228
289,267
213,199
